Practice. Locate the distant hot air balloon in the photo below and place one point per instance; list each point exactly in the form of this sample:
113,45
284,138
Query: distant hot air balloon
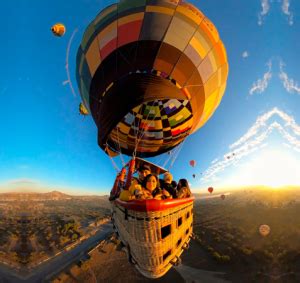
83,110
193,163
58,29
210,189
264,230
222,197
194,176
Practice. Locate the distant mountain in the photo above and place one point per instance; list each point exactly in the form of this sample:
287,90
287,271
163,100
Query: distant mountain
56,195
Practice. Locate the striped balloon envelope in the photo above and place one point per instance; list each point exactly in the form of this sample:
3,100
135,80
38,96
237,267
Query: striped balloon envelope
151,72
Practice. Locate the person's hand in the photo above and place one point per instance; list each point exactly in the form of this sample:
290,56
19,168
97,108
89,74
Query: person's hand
166,194
159,196
120,177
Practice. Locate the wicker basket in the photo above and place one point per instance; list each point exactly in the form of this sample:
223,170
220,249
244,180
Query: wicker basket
155,232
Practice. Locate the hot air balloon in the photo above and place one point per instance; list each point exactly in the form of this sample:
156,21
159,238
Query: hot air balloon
193,163
194,176
264,230
58,29
83,110
210,189
222,197
150,73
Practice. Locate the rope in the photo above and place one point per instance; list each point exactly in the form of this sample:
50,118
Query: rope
67,64
136,128
169,157
176,155
114,163
121,155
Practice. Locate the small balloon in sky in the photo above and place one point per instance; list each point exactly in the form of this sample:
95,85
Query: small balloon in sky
194,176
264,230
83,110
222,197
193,163
58,29
245,54
210,189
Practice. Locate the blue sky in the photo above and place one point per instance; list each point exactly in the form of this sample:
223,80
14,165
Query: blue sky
45,143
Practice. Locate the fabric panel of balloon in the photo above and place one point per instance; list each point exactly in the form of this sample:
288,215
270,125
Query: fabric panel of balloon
150,73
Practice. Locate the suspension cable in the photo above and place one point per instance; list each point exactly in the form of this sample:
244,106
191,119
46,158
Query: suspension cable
176,155
68,81
121,155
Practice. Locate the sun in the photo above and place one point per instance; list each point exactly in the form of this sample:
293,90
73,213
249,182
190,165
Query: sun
274,168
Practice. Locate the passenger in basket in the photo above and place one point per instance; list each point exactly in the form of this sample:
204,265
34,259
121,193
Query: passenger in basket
183,189
151,190
118,185
168,184
143,171
136,183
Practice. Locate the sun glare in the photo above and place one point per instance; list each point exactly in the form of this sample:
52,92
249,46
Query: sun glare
273,168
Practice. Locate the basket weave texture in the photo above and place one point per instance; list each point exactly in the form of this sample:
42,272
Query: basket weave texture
154,239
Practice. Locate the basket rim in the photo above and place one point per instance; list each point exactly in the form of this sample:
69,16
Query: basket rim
153,204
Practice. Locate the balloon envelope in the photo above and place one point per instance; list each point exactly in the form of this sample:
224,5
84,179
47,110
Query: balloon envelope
210,189
150,73
222,197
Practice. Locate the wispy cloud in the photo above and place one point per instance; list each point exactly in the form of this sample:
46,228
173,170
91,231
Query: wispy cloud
261,84
289,84
285,9
265,7
255,139
245,54
23,182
